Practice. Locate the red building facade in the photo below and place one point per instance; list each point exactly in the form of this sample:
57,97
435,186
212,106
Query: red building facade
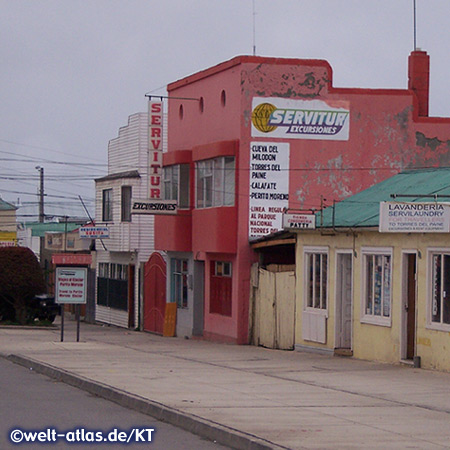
254,135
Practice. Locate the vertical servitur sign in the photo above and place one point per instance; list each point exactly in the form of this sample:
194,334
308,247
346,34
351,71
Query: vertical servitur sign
155,145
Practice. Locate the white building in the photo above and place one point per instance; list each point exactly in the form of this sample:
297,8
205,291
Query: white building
121,257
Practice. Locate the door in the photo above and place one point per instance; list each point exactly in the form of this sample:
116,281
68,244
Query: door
274,320
344,301
154,293
131,298
410,306
199,297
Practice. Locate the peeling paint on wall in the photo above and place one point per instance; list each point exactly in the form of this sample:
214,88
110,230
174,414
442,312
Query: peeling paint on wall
432,143
403,117
434,151
288,82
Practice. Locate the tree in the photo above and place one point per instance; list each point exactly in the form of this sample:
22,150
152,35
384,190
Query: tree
21,279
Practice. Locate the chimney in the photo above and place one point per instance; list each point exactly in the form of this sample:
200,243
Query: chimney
419,79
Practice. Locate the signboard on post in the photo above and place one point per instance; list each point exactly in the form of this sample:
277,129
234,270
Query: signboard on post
71,285
298,221
155,146
94,232
154,207
412,217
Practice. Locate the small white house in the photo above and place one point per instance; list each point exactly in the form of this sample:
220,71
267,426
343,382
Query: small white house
121,256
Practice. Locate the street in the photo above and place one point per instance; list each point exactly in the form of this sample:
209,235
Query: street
33,402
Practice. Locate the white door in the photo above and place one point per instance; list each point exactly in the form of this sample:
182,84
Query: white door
344,301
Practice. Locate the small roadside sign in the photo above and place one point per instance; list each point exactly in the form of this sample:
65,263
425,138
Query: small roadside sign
71,285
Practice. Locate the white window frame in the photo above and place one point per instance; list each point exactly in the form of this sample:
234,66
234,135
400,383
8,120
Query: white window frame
174,182
179,278
126,194
373,319
223,269
221,179
439,326
107,205
307,251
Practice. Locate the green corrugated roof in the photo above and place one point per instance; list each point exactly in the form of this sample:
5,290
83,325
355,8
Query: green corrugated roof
363,209
39,229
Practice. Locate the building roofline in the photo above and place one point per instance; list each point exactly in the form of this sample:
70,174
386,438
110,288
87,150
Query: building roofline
242,59
245,59
117,176
6,206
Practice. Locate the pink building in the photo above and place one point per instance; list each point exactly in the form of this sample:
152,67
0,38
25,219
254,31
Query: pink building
252,136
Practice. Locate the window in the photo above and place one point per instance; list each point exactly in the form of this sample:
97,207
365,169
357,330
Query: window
179,282
103,270
215,182
377,282
440,295
316,278
223,98
176,184
126,204
107,205
204,184
112,285
222,269
220,287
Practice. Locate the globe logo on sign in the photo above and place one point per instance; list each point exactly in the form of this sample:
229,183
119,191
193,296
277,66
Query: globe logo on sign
261,115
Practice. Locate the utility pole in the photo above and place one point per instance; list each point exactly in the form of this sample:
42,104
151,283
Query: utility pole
41,194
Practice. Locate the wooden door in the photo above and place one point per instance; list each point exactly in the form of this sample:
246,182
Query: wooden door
154,293
274,325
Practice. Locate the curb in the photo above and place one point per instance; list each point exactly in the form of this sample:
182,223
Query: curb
207,429
29,327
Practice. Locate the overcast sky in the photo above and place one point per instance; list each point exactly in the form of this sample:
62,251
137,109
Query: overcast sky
72,71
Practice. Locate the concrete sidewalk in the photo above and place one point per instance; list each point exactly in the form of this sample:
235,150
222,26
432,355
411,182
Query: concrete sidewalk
243,396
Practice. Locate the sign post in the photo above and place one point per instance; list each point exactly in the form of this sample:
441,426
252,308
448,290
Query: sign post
71,287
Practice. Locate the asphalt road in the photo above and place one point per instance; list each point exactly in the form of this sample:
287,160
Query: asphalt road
33,402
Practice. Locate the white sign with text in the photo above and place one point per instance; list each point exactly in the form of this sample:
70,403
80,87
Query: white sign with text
71,285
412,217
299,221
269,187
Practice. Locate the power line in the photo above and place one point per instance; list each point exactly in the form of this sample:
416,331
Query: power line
41,148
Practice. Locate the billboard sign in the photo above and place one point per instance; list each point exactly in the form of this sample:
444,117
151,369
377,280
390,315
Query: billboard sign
274,117
398,217
269,187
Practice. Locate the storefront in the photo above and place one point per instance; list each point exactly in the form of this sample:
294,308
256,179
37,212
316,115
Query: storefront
376,288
